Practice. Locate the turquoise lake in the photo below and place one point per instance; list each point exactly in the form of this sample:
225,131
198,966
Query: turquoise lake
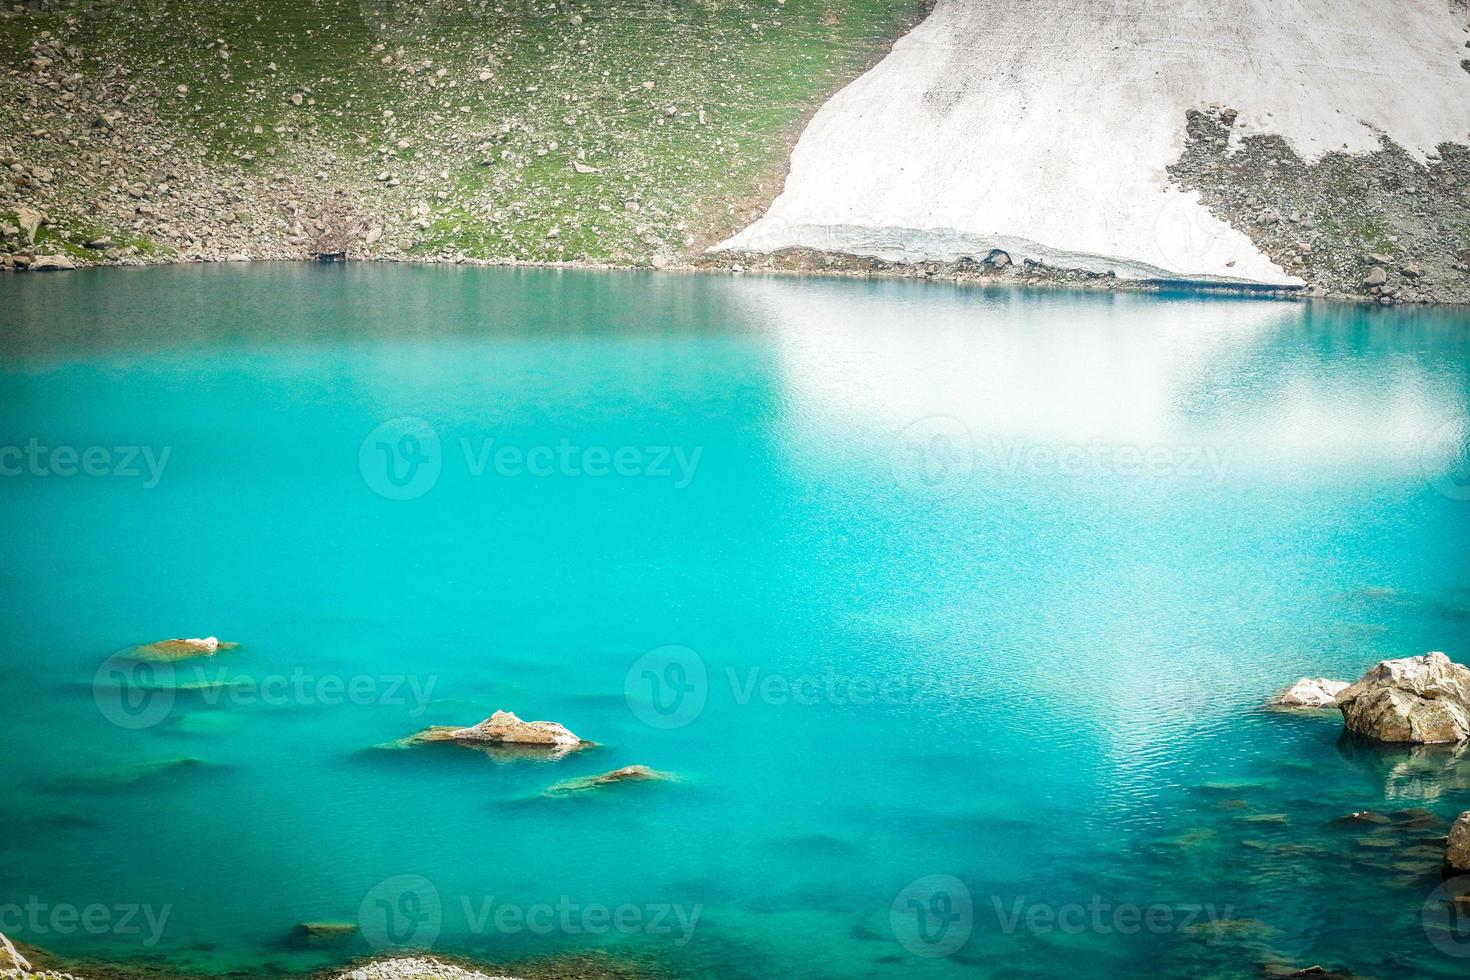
952,611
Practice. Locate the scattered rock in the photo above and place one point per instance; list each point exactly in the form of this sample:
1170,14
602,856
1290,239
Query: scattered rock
1415,699
30,222
1376,276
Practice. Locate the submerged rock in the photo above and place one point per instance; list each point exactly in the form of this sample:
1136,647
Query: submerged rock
627,774
1457,849
322,931
10,958
1415,699
1311,693
134,772
504,728
182,649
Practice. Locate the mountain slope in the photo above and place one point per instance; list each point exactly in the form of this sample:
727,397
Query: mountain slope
621,132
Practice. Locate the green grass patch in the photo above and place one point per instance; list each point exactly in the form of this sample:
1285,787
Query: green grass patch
682,111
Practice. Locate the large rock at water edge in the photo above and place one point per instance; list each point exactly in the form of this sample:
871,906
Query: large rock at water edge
1416,699
10,959
1312,693
1457,853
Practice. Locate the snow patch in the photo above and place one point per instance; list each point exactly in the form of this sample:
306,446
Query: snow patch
1045,129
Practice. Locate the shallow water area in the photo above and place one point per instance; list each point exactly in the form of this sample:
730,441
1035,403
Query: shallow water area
952,611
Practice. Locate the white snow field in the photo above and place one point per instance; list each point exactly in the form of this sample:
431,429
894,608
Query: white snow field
1044,127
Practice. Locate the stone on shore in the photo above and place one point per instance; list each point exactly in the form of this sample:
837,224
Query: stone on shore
1457,851
414,968
1416,699
505,729
1311,693
29,220
627,774
53,263
10,958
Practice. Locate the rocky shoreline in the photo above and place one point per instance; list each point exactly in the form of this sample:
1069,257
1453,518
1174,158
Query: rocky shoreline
396,968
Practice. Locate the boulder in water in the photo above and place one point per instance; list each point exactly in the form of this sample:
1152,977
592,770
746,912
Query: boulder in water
504,728
1457,851
182,649
1311,693
1415,699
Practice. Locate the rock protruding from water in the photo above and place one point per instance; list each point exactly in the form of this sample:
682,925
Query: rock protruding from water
177,649
10,958
627,774
1415,699
504,728
1311,693
1457,852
